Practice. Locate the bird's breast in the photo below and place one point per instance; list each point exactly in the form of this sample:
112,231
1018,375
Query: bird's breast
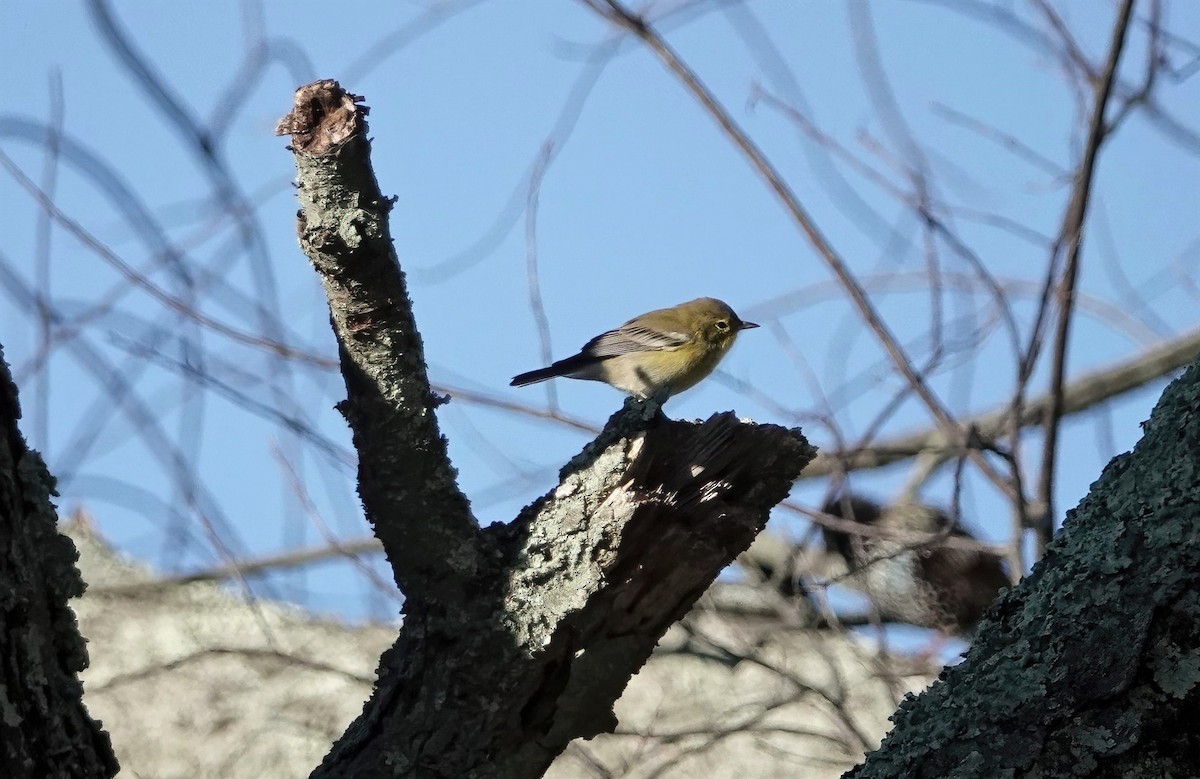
646,373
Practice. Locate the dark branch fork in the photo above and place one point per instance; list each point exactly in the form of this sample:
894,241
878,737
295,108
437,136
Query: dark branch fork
517,638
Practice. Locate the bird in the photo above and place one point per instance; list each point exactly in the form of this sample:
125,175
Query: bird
941,586
664,351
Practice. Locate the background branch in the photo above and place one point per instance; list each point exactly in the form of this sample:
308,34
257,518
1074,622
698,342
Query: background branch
1072,240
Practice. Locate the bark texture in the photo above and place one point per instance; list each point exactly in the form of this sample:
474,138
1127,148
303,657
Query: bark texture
45,731
405,480
1091,666
518,638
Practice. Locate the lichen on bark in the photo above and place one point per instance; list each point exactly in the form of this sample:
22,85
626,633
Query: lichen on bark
1091,662
519,637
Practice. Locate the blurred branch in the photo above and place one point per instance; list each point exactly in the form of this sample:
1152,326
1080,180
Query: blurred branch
1072,239
1038,676
616,13
120,395
204,144
42,259
287,659
246,568
523,409
1082,394
175,303
1010,143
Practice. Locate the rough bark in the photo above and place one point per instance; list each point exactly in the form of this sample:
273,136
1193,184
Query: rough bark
518,638
45,731
405,480
1091,666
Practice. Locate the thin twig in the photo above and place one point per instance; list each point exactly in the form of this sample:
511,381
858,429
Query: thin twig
531,266
1085,392
293,558
1072,238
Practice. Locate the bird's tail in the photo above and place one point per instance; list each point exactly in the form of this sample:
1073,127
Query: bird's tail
533,377
575,367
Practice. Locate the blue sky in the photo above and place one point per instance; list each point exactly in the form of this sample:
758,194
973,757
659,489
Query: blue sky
644,204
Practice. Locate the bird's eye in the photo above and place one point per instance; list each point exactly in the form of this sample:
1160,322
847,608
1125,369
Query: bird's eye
722,325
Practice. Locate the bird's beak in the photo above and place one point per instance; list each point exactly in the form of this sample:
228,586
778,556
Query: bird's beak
747,326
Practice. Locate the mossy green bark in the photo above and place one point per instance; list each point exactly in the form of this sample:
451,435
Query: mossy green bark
1091,666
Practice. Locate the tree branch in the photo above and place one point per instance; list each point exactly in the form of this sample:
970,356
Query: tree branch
1091,659
1072,239
519,638
618,14
1085,392
45,730
406,482
587,580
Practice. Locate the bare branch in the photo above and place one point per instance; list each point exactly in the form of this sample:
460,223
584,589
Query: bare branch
293,558
46,730
1084,393
407,484
1094,637
617,13
1072,239
537,625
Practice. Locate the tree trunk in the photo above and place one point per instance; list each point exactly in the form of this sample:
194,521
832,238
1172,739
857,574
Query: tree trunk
1091,666
45,731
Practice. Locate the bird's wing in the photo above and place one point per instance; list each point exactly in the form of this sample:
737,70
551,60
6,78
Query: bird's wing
633,338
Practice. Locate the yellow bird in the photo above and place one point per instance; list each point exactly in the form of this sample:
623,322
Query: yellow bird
668,350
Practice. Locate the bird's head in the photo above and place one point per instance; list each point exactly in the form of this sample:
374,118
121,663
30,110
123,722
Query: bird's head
713,322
